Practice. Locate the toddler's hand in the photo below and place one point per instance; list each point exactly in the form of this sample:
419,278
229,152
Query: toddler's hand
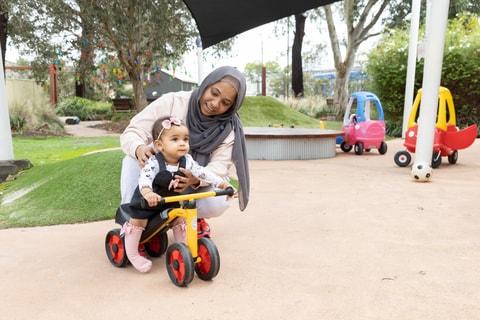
152,198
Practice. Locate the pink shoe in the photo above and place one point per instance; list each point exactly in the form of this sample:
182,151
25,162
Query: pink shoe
132,236
179,232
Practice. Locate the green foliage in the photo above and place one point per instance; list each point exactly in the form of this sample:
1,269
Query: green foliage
138,36
18,123
387,67
400,10
276,77
84,109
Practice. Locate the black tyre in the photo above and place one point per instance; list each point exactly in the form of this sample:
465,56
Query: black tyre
115,248
383,148
345,147
436,159
452,159
358,148
180,264
402,158
157,245
209,264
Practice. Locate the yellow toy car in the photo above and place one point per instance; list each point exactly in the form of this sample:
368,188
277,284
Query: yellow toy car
448,138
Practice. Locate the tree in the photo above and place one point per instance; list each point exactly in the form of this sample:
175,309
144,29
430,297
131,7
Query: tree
399,11
359,18
140,37
275,77
3,29
386,68
297,69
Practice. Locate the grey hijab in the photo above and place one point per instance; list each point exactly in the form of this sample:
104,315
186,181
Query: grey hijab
206,133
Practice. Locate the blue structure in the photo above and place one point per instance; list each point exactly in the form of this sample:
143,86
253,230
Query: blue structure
356,80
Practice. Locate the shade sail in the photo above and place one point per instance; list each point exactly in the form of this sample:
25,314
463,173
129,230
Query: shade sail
218,20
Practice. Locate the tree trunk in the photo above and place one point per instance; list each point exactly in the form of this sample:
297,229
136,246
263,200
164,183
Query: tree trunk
3,33
297,69
341,94
138,93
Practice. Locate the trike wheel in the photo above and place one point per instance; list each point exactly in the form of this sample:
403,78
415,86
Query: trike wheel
358,148
180,264
345,147
115,248
402,158
157,245
436,159
452,159
383,148
209,264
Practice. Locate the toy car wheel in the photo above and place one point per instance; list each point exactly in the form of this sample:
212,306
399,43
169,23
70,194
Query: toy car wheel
436,159
452,159
358,148
402,158
383,148
345,147
180,264
115,248
209,264
157,245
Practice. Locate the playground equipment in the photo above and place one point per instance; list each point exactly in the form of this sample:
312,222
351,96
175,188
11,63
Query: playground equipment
199,255
448,138
364,128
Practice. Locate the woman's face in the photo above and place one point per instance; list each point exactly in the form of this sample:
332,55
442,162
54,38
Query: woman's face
217,99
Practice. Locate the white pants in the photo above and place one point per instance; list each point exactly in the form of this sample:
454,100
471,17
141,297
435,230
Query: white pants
207,207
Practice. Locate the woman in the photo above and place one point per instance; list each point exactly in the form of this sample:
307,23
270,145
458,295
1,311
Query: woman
216,139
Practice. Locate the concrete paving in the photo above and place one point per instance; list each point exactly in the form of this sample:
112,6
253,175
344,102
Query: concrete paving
350,237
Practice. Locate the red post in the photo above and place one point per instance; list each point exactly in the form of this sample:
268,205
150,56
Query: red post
264,81
53,85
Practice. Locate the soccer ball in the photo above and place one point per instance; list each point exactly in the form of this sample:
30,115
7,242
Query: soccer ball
421,171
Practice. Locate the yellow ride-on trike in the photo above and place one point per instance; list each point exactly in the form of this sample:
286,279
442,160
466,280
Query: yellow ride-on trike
198,255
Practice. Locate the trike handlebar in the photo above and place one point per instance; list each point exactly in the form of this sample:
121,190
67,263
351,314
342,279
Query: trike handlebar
192,196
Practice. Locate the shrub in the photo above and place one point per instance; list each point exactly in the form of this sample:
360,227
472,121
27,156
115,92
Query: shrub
28,117
312,106
18,123
84,109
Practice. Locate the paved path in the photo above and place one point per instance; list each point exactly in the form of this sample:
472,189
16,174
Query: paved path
85,129
351,237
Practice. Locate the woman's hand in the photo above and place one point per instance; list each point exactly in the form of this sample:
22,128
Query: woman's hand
142,153
225,185
187,181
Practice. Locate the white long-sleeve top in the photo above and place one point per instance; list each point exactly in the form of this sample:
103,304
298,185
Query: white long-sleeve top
152,168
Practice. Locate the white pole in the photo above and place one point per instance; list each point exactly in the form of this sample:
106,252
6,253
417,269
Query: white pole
431,81
6,145
199,60
412,60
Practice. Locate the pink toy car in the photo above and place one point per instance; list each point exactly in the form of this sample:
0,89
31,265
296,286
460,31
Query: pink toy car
363,124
